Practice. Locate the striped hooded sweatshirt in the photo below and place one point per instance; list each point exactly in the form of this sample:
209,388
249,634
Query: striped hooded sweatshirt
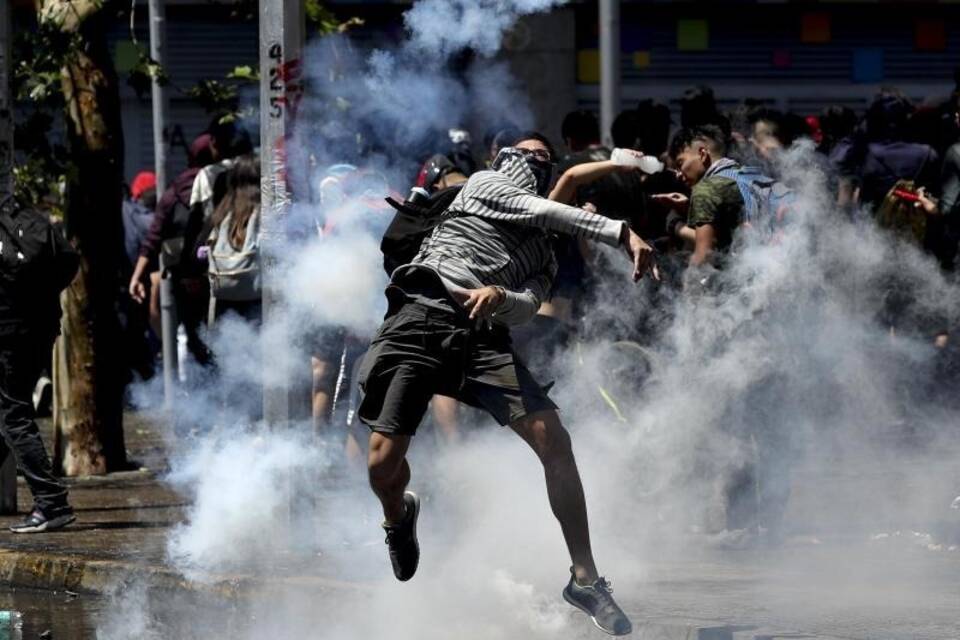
496,232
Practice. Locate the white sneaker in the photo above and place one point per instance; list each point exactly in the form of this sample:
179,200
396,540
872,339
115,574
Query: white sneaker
43,396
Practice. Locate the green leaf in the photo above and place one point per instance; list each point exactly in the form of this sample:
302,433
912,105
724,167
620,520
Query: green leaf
126,56
325,21
244,72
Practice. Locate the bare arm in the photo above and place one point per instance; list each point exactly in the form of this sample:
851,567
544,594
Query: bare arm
137,291
579,175
704,238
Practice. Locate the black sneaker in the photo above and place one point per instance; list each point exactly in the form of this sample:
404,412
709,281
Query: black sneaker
37,522
402,539
595,601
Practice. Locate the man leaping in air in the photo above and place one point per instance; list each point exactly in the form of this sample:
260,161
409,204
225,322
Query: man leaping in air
487,265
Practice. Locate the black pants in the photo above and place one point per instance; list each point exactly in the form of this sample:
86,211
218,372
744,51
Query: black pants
21,360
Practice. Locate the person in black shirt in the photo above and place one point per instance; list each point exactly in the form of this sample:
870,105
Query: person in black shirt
878,157
36,264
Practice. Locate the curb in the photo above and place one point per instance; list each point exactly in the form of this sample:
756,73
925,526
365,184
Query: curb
101,577
50,572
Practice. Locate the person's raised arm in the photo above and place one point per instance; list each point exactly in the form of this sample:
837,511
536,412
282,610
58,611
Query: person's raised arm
582,174
497,198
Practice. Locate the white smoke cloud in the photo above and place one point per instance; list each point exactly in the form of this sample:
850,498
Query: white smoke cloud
444,27
244,489
339,282
788,335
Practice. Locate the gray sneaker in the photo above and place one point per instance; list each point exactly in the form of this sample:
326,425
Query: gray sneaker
596,601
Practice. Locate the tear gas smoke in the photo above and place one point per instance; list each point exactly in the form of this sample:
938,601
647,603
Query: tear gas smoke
783,360
445,27
239,519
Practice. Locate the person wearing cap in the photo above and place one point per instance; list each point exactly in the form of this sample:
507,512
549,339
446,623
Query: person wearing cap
137,213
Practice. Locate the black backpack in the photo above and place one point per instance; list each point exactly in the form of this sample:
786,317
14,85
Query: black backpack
37,263
411,224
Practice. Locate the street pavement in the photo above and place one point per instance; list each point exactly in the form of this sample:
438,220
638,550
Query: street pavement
897,584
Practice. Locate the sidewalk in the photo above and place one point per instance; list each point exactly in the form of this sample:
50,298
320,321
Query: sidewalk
801,591
122,522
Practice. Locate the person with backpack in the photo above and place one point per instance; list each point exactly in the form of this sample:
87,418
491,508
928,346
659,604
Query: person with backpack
724,196
486,265
170,221
232,250
36,264
233,256
438,183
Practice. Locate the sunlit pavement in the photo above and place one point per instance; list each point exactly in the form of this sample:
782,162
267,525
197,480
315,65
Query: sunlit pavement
893,584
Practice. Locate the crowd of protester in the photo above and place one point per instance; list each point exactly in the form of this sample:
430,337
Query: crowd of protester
897,162
686,184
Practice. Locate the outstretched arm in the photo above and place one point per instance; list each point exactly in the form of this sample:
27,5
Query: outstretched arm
579,175
495,197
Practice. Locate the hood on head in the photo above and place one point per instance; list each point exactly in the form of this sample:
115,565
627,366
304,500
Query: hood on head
511,163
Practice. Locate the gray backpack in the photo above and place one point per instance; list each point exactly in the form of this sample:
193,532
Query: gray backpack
235,273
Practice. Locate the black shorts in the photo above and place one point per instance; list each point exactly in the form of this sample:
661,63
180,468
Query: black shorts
421,350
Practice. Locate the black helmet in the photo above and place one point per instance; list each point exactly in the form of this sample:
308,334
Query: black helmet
437,166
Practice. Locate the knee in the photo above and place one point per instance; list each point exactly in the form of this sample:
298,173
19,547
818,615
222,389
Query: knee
549,439
384,459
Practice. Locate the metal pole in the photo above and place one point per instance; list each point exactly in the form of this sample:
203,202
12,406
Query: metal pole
168,336
281,47
158,36
8,472
609,66
156,16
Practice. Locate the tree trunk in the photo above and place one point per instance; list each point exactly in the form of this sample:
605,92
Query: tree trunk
89,364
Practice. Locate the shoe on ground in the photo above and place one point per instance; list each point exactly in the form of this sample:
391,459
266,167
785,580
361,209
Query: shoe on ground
596,601
38,522
402,539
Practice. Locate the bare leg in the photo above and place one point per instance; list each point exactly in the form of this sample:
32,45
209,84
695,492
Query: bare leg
322,392
389,472
551,442
445,416
353,450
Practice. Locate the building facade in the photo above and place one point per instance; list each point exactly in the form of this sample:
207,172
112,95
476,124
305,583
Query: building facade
799,56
